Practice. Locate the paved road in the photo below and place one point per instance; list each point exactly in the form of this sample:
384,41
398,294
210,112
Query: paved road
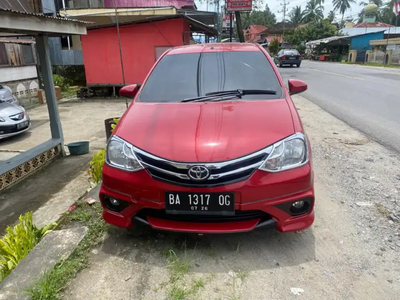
366,98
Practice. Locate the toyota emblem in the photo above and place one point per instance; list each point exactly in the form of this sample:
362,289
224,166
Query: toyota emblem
198,173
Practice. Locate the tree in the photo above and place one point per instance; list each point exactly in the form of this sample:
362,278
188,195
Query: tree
296,16
258,17
331,16
313,31
256,4
273,47
342,6
314,11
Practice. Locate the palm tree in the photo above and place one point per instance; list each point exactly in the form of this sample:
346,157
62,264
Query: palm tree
314,11
296,16
331,16
342,6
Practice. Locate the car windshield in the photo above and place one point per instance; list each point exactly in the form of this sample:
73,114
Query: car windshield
183,76
291,52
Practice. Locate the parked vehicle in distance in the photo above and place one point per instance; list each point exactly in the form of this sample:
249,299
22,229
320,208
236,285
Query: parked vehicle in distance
212,143
290,57
7,96
13,119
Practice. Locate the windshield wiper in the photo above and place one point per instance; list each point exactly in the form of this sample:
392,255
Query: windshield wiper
215,96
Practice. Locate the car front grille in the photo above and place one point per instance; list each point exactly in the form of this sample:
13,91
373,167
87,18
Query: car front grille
221,173
240,215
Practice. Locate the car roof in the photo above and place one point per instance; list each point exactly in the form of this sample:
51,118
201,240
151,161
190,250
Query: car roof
215,47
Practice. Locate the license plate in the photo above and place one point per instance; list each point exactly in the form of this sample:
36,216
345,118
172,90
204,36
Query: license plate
22,125
200,203
292,57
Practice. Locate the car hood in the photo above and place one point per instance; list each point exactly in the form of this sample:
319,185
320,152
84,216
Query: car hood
9,109
205,132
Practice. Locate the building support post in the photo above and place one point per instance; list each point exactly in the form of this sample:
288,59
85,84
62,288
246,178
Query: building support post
42,44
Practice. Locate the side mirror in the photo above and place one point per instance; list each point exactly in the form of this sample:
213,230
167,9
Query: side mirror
129,91
296,86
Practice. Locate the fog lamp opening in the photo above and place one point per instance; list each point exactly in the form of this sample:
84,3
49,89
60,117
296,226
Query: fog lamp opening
299,207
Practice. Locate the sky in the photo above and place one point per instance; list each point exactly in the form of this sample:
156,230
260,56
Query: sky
275,6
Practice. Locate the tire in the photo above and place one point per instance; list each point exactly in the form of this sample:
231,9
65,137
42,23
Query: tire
280,65
298,65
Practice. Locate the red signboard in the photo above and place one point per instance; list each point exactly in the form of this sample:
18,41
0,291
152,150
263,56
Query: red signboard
239,5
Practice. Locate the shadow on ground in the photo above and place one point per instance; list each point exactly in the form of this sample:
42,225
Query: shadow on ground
37,189
257,250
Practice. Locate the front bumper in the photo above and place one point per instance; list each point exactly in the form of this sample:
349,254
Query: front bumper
260,201
8,130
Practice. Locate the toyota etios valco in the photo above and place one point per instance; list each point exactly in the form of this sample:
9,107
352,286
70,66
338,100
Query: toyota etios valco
212,143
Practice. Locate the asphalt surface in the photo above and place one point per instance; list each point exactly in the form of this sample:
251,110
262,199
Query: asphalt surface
366,98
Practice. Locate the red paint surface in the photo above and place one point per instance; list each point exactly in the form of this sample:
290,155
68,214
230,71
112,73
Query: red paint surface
207,132
101,52
239,5
204,132
149,3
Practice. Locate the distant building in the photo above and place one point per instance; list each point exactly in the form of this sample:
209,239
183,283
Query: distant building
18,65
253,33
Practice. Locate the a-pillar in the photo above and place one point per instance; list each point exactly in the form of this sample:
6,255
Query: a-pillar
42,45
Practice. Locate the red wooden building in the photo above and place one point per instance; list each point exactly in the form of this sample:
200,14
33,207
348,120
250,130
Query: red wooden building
141,44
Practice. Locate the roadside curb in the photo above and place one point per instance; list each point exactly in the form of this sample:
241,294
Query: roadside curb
55,246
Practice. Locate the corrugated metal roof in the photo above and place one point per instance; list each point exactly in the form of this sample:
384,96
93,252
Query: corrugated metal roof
16,41
43,16
16,5
360,31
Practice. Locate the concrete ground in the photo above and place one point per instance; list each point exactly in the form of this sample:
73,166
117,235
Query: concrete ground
366,98
81,120
51,190
351,251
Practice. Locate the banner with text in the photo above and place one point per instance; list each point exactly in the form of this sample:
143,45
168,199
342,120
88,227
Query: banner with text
239,5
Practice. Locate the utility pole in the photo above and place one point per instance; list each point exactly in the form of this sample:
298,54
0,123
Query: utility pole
284,10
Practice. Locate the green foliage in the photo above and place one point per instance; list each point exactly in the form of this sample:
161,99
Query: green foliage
342,5
296,15
19,241
313,31
116,120
313,12
62,82
96,166
273,46
258,17
51,284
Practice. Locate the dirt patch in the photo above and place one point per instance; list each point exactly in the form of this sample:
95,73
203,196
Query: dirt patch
351,252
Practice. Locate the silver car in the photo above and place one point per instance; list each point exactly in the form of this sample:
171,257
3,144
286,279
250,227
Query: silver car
7,96
13,118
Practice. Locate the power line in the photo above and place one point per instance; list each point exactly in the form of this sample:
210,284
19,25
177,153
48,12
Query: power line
284,10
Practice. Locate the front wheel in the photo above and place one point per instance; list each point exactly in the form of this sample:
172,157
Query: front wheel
298,65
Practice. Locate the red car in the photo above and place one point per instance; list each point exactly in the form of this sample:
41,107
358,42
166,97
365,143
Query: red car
212,143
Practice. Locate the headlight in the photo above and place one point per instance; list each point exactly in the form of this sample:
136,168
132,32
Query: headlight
2,120
120,155
290,153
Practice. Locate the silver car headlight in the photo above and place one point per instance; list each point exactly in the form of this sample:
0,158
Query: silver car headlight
120,155
287,154
2,120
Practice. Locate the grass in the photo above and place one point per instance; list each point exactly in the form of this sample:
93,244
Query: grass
382,210
178,266
242,274
177,293
54,282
